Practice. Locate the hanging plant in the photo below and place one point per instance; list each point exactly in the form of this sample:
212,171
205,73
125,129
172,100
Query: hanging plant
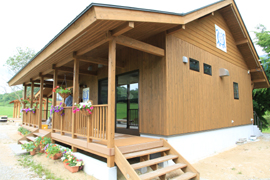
85,108
26,110
58,109
25,101
64,93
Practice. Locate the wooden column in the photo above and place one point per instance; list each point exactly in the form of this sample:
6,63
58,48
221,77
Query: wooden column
24,97
75,92
111,99
47,107
55,79
14,110
31,102
40,102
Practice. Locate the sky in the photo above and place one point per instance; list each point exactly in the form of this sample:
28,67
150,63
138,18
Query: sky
33,23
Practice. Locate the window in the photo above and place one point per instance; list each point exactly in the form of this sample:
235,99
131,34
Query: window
103,91
235,90
194,65
207,69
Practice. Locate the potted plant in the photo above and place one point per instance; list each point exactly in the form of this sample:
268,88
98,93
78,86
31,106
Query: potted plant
20,129
53,151
71,162
26,110
85,108
29,147
42,142
64,93
58,109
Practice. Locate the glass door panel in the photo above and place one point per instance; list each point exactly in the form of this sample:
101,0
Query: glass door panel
121,106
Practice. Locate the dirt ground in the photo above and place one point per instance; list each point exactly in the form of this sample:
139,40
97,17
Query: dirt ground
248,161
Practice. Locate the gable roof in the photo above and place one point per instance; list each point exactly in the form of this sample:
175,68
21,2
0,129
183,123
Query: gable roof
96,19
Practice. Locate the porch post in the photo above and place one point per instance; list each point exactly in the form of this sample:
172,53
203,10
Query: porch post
75,91
55,74
47,104
111,99
31,102
14,110
40,102
24,97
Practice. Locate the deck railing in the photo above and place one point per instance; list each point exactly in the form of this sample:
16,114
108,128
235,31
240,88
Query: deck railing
92,127
31,119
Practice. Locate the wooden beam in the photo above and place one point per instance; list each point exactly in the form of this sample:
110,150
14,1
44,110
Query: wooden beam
111,95
69,69
139,45
59,77
245,41
37,85
75,91
256,70
98,60
55,78
175,29
258,80
123,28
32,94
107,37
40,101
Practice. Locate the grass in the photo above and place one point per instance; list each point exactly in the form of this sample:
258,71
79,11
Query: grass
122,109
7,110
266,130
27,161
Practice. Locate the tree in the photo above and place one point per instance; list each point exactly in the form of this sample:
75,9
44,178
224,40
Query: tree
14,64
261,97
19,60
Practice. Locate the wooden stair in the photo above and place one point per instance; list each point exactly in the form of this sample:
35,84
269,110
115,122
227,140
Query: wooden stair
167,152
33,135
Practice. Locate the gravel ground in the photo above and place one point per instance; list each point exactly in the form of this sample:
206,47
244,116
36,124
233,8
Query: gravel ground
9,168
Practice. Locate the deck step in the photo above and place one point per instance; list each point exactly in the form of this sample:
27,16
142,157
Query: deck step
185,176
23,141
31,138
162,171
39,134
146,152
153,161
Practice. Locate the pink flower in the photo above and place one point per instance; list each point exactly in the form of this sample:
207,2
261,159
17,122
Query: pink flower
90,112
91,107
84,106
77,109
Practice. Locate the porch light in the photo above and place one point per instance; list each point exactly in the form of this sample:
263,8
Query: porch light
90,68
100,65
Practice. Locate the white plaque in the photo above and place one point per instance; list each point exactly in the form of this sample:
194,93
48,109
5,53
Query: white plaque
221,39
86,94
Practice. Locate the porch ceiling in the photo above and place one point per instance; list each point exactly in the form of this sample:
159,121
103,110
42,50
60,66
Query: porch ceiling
93,33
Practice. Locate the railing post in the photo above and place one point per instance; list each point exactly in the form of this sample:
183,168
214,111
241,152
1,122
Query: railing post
62,118
75,90
111,98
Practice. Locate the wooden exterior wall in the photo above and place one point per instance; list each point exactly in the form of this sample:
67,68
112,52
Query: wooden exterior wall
197,101
152,82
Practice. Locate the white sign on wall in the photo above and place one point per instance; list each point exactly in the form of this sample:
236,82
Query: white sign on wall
86,94
221,39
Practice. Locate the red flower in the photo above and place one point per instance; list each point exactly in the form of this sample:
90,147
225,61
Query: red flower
57,86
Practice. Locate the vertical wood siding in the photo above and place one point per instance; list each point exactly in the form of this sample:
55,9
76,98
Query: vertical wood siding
197,101
152,81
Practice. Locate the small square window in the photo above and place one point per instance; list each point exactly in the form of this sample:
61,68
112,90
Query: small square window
235,90
207,69
194,65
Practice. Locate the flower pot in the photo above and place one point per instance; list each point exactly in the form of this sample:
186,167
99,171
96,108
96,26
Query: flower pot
72,169
32,153
60,112
64,95
41,150
85,113
56,156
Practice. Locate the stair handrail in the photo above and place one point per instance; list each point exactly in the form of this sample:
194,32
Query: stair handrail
257,121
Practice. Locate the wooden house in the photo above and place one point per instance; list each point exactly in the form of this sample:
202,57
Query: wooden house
160,82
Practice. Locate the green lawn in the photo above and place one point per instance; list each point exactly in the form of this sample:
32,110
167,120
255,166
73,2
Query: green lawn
122,109
6,110
266,130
